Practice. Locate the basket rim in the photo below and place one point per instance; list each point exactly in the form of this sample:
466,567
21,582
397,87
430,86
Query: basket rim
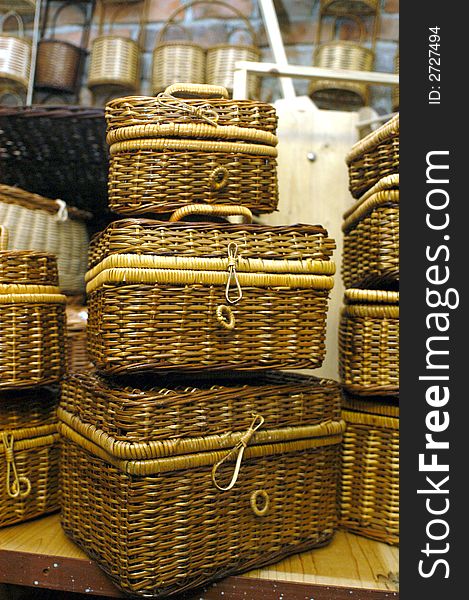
161,45
380,406
387,131
228,46
382,193
26,434
356,295
346,44
15,195
372,420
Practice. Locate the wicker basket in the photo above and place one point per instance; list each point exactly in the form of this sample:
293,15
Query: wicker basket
159,167
58,62
369,489
15,54
371,238
374,157
395,91
208,296
77,316
342,55
31,318
369,343
29,455
209,482
114,60
37,223
349,7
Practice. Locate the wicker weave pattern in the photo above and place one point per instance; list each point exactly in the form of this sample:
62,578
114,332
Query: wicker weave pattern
22,267
177,61
374,157
114,61
369,343
369,488
28,408
15,59
139,410
371,240
57,65
221,60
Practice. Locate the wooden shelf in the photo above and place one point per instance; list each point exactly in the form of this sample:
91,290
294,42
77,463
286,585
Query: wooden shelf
38,554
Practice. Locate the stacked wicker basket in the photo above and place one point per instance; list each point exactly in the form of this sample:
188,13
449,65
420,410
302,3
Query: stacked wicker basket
31,359
369,338
201,468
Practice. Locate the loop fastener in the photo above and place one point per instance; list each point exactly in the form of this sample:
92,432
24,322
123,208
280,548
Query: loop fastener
239,449
62,213
204,112
232,274
226,317
13,489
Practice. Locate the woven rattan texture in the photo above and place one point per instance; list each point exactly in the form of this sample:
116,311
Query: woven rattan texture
371,242
145,236
221,60
15,60
177,61
154,181
57,65
369,488
144,327
143,110
169,533
37,461
28,408
114,61
31,268
374,157
141,410
344,7
369,349
59,152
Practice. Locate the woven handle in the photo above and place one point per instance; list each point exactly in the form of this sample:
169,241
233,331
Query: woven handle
358,22
179,26
234,10
197,90
19,21
3,237
218,211
59,10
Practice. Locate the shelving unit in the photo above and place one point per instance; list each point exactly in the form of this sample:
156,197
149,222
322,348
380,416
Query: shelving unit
38,554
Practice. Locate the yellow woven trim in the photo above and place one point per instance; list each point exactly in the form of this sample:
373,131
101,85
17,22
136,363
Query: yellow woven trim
32,432
248,265
371,311
390,182
358,418
30,443
191,130
192,145
182,446
180,277
18,288
190,461
372,296
32,299
386,131
374,407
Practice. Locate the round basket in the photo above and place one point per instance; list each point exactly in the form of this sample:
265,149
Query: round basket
114,60
58,62
342,55
395,92
15,53
349,7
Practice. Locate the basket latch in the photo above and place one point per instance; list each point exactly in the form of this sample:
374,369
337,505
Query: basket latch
239,449
232,275
13,480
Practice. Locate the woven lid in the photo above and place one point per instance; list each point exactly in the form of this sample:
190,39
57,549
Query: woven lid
387,131
375,304
381,297
383,193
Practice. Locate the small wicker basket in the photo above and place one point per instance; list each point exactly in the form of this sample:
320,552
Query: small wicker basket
369,486
58,62
369,343
114,59
342,55
349,7
15,53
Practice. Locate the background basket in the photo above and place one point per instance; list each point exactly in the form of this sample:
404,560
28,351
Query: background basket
15,53
10,96
369,483
369,343
349,7
114,59
37,223
342,55
77,316
371,238
58,62
395,91
28,408
374,157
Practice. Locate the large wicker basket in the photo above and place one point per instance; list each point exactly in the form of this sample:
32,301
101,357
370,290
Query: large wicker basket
369,343
29,455
374,157
31,319
342,55
37,223
371,238
369,488
15,54
171,488
161,166
201,296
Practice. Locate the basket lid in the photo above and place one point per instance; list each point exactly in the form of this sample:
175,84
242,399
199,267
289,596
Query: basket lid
380,297
386,132
383,193
180,424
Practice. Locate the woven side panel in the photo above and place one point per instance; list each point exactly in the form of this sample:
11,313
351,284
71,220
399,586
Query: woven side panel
166,534
57,65
28,268
150,327
15,60
114,61
369,487
173,62
147,181
41,467
373,165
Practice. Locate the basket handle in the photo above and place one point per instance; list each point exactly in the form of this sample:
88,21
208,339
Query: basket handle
358,22
230,35
196,90
3,238
222,210
12,92
191,3
56,17
167,26
19,20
